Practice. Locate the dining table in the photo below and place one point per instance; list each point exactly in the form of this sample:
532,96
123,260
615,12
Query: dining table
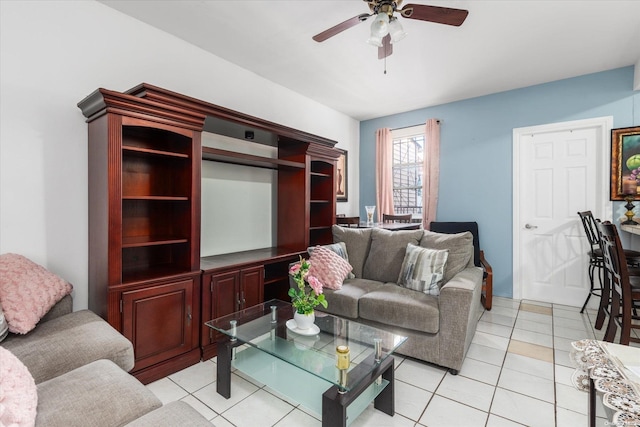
612,372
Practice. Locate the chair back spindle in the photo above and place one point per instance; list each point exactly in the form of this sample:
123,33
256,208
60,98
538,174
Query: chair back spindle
618,282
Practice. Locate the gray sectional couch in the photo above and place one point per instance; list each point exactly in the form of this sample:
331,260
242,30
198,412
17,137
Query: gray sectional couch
440,328
80,365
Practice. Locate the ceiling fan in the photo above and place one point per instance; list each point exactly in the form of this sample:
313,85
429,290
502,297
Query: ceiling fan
386,29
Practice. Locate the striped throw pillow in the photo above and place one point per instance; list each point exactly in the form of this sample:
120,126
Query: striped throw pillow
423,269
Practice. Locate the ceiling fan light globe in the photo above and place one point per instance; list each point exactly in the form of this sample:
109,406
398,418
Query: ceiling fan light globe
380,25
396,31
375,41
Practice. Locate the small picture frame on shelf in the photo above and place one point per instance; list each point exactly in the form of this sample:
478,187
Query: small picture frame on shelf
625,163
341,177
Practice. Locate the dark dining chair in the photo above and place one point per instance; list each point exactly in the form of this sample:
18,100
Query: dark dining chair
396,218
478,254
596,262
349,221
624,288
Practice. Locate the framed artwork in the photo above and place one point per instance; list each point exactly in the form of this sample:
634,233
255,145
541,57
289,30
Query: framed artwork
625,162
341,177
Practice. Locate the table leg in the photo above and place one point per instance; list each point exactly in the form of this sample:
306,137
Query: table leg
385,401
223,382
592,403
334,411
334,403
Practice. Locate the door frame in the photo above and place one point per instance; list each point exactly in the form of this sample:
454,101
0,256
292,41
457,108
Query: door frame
603,208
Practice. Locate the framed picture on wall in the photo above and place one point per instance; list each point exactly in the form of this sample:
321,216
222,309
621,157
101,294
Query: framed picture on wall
341,177
625,162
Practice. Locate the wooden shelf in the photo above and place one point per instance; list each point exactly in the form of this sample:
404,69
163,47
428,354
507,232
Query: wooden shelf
324,175
240,259
218,155
137,242
154,152
165,272
165,198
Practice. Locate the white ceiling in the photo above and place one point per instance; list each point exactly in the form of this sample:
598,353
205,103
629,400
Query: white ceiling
502,45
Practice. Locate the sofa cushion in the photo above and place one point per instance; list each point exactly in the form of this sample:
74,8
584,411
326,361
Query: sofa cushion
387,252
27,291
357,241
100,392
18,392
460,248
340,248
68,342
328,267
177,413
401,307
344,302
423,269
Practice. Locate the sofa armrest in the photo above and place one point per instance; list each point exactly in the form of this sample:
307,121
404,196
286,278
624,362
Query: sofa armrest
487,285
62,307
460,309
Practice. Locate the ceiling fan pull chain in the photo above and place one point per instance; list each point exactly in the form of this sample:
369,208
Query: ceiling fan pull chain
385,65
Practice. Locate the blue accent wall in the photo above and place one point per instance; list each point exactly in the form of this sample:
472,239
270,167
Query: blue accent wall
476,149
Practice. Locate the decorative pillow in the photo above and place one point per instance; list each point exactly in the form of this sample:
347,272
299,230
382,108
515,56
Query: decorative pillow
27,291
357,241
4,328
423,269
460,248
387,252
340,248
18,394
328,267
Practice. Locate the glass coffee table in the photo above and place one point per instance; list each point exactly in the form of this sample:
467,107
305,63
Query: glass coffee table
301,365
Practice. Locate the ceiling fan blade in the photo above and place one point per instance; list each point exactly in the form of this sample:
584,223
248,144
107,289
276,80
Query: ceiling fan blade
340,27
440,15
386,49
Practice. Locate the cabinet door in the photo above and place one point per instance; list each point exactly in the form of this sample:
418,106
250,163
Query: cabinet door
161,321
252,286
226,293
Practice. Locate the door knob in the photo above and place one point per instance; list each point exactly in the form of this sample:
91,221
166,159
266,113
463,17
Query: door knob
530,227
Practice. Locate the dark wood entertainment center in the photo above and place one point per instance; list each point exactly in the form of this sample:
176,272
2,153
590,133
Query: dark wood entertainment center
146,274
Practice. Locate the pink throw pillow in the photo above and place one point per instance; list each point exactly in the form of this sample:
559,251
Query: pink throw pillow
27,292
328,267
18,394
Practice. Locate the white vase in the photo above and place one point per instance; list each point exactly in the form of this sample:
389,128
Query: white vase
304,321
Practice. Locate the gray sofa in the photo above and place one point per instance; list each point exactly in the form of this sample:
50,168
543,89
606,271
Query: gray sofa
439,328
80,365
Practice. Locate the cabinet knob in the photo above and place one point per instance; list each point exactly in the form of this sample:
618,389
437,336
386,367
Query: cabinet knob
189,316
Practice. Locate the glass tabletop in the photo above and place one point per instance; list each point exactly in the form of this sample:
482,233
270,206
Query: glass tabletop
264,327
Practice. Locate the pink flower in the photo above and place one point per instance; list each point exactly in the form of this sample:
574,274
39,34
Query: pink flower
294,269
315,284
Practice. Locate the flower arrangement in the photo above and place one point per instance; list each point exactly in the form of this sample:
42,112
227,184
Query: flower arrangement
302,299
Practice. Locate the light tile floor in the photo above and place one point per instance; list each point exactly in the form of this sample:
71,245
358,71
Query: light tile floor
517,372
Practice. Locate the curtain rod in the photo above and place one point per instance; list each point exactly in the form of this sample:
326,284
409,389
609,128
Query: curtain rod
419,124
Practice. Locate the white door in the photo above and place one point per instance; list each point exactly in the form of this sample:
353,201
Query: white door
559,172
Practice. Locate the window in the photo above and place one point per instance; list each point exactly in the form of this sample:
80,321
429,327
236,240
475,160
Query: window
408,155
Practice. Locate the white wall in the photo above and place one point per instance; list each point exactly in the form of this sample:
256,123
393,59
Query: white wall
249,195
53,54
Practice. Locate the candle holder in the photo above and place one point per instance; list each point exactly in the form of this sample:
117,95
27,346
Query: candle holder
370,211
629,214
